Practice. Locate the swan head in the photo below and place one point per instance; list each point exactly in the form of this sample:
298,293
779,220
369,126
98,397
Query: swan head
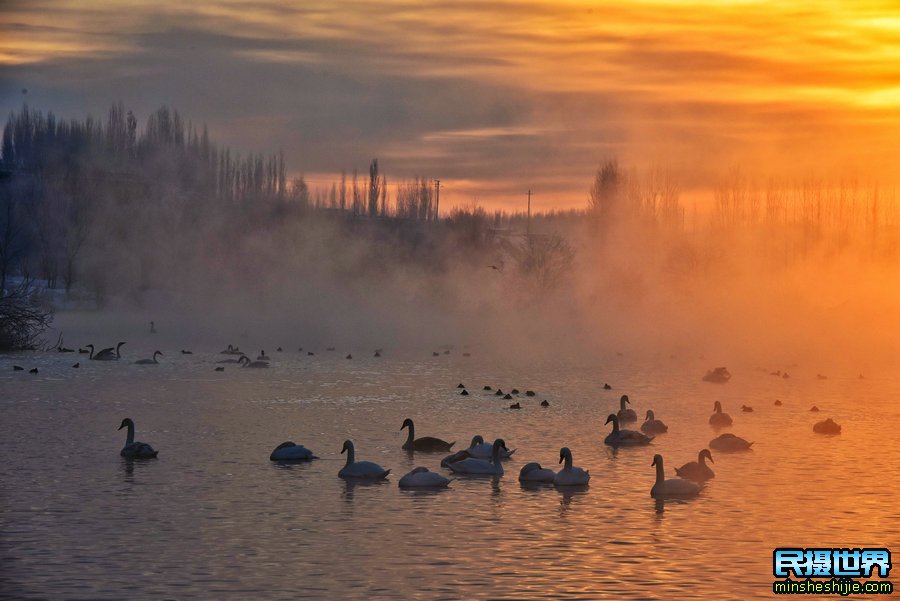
624,400
348,446
498,444
657,460
650,415
119,345
563,453
717,407
126,423
707,454
477,439
407,423
155,353
612,418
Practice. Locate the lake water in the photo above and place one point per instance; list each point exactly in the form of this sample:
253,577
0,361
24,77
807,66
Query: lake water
212,517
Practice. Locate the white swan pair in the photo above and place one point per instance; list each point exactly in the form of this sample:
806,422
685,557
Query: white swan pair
481,467
567,476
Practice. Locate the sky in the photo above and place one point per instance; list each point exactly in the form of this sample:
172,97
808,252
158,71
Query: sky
492,98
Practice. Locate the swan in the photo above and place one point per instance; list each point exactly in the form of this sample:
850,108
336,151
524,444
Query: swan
246,362
482,466
426,443
515,405
533,472
454,457
624,437
829,426
568,475
420,477
152,361
729,443
719,419
132,449
697,471
107,354
360,469
673,487
626,415
290,451
238,360
231,350
482,450
652,425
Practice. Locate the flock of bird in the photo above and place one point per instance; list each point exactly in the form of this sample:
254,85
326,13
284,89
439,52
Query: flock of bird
486,459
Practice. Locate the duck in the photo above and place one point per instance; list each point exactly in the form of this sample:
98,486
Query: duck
291,451
534,473
360,469
746,409
697,471
279,350
460,385
814,409
464,392
76,366
18,368
220,368
152,328
529,393
426,443
420,477
152,361
33,370
507,397
606,386
778,403
626,415
231,350
184,352
719,375
652,425
729,443
487,388
478,466
498,392
132,449
568,475
619,437
545,403
377,353
482,450
349,357
246,362
719,419
514,391
515,405
672,488
829,426
454,457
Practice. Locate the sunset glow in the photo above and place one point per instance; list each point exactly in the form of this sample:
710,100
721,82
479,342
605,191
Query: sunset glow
491,99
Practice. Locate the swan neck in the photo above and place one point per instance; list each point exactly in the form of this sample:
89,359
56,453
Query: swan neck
412,434
351,456
568,465
660,473
130,438
702,459
615,426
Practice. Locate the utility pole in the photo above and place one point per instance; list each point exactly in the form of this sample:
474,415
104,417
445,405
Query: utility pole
528,223
437,198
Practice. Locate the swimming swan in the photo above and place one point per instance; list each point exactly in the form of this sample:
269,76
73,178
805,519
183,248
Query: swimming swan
652,425
626,415
246,362
568,475
482,450
420,477
454,457
729,443
290,451
152,361
719,419
697,471
619,437
426,443
533,472
482,466
672,488
132,449
360,469
107,354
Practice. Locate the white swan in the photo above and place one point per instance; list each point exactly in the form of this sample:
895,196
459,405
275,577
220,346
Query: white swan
729,443
624,438
482,450
719,419
360,469
673,487
533,472
626,415
482,466
107,354
420,477
454,457
568,475
290,451
132,449
152,361
697,471
246,362
652,425
426,443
